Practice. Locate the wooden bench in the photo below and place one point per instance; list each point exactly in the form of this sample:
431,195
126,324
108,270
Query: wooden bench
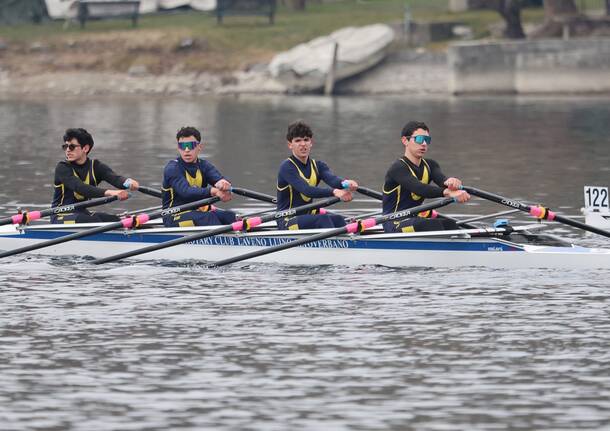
245,7
100,9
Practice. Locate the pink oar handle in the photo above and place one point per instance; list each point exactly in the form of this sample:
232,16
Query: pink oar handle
34,215
246,224
142,218
139,220
127,222
542,213
26,217
361,225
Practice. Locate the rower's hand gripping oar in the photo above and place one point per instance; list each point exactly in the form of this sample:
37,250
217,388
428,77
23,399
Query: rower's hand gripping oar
377,195
358,226
242,225
539,212
28,216
128,222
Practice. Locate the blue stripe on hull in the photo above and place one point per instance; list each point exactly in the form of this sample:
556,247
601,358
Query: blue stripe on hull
258,241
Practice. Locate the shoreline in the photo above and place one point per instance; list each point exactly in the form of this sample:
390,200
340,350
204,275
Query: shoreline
399,73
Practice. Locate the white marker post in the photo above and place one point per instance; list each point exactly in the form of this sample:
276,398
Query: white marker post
597,207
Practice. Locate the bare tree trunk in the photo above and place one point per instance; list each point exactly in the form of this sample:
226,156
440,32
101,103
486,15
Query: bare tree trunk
510,10
608,7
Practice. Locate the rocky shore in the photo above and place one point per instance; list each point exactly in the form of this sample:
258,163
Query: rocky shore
403,71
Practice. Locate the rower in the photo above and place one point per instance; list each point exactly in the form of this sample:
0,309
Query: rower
77,178
409,181
298,183
188,179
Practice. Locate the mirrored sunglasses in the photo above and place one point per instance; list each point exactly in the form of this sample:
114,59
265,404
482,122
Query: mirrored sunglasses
189,145
420,139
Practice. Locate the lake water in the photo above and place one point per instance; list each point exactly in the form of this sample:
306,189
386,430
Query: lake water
161,346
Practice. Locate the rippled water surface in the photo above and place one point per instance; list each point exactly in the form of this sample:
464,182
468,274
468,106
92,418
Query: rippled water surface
162,346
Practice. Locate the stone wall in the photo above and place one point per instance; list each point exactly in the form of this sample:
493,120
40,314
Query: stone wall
537,66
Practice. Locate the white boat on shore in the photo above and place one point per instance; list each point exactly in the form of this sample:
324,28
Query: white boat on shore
305,67
489,247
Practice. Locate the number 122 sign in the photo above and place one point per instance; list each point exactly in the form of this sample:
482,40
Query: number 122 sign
596,198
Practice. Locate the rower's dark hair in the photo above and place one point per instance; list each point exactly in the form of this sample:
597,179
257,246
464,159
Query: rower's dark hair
412,126
298,129
81,135
187,131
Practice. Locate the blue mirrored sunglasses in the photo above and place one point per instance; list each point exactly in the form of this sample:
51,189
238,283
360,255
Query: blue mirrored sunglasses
189,145
420,139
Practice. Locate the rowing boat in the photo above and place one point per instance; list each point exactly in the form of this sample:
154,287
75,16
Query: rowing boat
512,247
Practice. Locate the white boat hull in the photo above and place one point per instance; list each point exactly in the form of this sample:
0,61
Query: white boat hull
395,250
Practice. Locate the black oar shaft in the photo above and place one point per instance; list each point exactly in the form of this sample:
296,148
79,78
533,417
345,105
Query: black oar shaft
220,230
254,195
539,212
127,222
363,224
150,191
28,216
370,193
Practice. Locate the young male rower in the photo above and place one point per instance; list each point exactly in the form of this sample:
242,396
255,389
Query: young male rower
298,183
409,181
77,178
189,178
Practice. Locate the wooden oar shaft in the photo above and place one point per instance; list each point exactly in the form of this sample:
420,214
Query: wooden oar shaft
28,216
244,224
358,226
126,222
536,211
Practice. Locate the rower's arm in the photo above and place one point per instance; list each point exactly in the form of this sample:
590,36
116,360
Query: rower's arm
411,183
290,175
174,179
328,176
210,173
436,174
105,173
64,175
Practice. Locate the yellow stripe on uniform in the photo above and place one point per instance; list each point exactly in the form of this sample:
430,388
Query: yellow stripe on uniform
425,178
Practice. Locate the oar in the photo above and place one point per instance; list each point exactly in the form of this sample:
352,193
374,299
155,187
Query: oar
358,226
28,216
377,195
127,222
149,191
370,193
536,211
241,225
254,195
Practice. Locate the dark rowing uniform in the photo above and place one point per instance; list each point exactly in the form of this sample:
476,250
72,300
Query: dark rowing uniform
297,185
188,182
75,183
406,186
